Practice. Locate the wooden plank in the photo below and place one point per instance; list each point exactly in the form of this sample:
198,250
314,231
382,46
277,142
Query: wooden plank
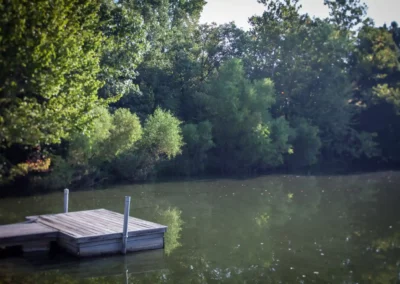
115,223
66,239
87,224
115,226
115,247
133,225
104,242
90,228
116,236
23,229
75,239
96,232
104,235
64,228
36,246
25,232
21,241
99,238
37,216
111,216
31,236
101,225
117,216
71,226
75,222
133,220
68,246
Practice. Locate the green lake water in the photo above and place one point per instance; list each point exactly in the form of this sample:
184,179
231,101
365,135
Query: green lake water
271,229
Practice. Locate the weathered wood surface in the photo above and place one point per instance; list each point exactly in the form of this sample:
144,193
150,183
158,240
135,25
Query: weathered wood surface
133,244
25,231
96,224
30,236
86,233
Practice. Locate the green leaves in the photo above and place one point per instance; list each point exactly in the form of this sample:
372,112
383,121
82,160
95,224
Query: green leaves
346,14
376,66
246,137
162,134
306,145
51,51
112,135
308,60
122,24
292,90
125,133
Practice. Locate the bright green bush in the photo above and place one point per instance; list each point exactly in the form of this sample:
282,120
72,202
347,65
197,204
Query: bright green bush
162,134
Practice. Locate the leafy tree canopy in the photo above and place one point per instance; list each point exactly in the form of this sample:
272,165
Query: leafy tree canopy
49,62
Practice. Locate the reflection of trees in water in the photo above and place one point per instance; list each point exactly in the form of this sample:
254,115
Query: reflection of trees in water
365,238
231,231
151,207
380,223
386,259
318,218
54,277
278,229
171,217
288,197
312,215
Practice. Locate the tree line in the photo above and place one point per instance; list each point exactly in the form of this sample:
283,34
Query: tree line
103,91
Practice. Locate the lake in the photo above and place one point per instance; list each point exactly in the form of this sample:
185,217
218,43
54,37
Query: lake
270,229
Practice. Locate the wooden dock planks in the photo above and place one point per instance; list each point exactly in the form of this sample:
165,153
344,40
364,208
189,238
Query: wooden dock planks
25,231
99,222
30,236
87,233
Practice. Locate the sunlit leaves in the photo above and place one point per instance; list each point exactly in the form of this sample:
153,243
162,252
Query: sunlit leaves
111,136
244,133
50,60
173,219
162,134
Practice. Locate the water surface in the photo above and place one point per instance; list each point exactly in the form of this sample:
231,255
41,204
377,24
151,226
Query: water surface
272,229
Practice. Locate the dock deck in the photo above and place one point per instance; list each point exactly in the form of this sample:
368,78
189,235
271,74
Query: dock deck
31,236
84,233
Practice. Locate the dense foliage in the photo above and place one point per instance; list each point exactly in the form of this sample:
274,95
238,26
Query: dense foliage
101,91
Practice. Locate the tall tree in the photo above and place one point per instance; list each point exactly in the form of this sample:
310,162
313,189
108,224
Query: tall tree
49,65
122,25
165,71
307,59
49,62
245,135
375,70
347,14
376,66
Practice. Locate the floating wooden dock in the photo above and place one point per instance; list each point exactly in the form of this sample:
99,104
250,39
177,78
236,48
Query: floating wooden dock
30,236
85,233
